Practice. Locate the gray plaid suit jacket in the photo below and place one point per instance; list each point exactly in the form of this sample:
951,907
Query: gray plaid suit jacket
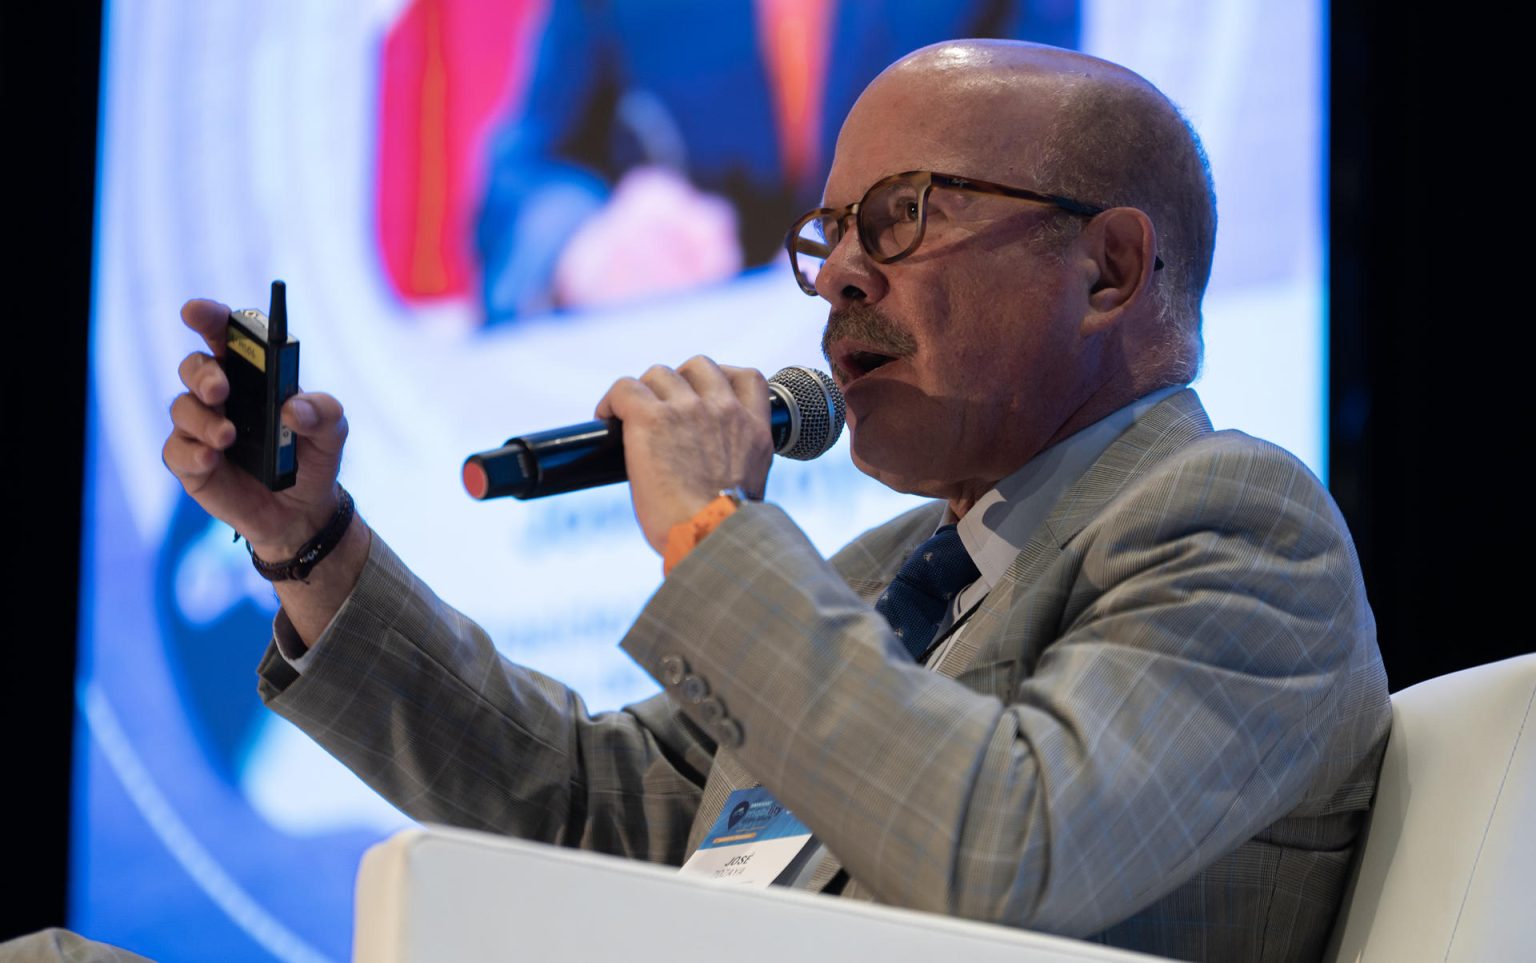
1160,731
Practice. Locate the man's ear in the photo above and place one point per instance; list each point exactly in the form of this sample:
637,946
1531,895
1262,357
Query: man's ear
1123,245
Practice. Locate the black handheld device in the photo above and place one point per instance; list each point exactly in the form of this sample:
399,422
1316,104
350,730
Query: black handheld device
261,361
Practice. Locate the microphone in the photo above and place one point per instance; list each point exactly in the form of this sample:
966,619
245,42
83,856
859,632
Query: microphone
805,414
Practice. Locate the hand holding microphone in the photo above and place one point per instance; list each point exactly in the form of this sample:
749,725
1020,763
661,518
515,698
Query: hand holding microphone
686,435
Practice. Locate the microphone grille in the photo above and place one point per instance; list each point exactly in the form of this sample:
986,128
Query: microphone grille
818,407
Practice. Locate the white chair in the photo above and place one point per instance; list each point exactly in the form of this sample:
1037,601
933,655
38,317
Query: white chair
1448,872
1448,869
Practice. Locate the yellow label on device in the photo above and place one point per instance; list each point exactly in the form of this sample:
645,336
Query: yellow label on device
248,348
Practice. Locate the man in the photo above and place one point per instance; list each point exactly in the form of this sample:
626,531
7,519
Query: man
1147,708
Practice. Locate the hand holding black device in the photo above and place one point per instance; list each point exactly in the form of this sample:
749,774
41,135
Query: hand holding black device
262,365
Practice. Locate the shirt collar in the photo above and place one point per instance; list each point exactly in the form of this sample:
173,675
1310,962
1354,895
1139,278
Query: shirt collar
1002,521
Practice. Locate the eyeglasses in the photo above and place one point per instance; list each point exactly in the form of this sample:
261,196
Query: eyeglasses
891,218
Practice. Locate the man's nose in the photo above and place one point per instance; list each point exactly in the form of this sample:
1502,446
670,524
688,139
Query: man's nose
849,275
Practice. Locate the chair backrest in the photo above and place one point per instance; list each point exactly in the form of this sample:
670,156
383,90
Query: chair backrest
1448,867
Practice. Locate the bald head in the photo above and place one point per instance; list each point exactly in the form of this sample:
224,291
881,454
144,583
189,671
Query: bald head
1065,123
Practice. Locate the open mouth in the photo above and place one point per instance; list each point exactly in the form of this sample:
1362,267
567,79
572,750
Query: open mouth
855,363
863,362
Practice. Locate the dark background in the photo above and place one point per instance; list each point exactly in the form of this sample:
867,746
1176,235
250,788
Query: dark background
1426,308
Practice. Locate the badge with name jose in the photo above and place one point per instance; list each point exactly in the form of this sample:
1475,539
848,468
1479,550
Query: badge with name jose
755,842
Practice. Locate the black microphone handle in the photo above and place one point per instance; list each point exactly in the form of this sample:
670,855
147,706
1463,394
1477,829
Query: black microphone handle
572,458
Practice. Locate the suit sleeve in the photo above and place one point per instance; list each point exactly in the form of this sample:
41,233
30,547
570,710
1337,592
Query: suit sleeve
1208,666
414,698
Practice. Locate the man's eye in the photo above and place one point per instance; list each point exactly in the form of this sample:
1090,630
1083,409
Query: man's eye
901,210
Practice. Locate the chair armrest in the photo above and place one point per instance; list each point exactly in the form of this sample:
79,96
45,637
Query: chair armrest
448,894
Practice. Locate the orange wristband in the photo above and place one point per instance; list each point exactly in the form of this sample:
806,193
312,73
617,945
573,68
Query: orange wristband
685,535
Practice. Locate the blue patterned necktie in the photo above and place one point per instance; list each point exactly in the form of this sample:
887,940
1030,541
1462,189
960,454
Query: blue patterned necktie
917,599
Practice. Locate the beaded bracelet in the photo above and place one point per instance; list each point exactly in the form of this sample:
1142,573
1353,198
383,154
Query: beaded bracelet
312,552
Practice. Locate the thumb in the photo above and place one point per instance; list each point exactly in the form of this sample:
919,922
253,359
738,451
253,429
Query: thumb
318,419
321,429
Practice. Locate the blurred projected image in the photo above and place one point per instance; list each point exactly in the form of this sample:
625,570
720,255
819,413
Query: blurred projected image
656,146
485,213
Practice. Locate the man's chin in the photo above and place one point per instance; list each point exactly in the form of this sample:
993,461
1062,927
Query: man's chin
900,474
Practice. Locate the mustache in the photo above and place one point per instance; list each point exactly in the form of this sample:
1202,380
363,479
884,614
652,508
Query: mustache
868,326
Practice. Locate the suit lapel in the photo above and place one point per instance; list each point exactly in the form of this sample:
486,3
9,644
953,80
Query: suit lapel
1167,427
